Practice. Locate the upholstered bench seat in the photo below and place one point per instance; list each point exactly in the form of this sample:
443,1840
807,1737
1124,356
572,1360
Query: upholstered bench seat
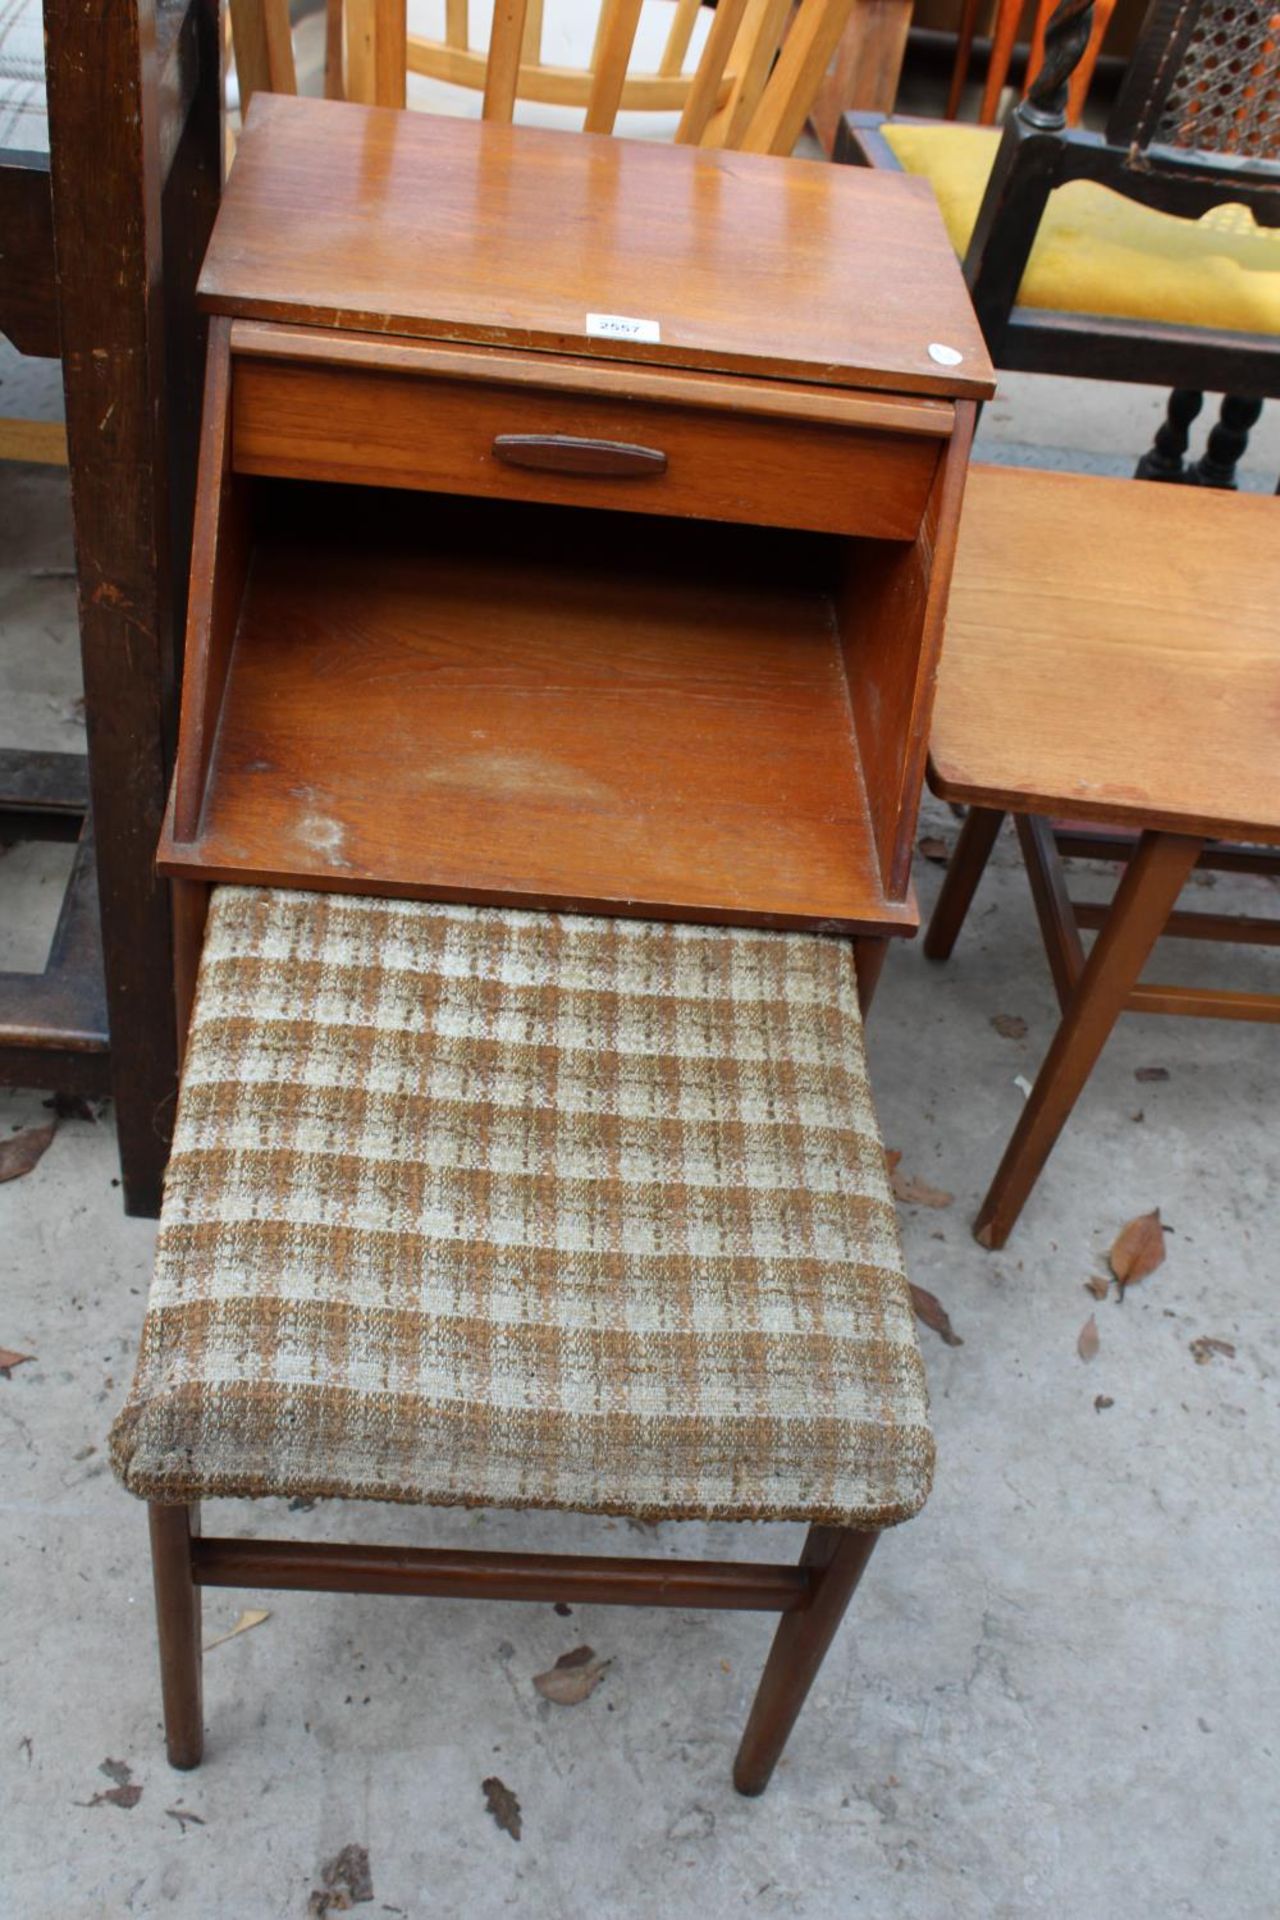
477,1206
24,118
1098,253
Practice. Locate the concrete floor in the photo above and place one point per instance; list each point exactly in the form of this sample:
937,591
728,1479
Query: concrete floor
1057,1693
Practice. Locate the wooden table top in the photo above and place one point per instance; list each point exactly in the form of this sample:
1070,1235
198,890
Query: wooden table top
369,219
1112,652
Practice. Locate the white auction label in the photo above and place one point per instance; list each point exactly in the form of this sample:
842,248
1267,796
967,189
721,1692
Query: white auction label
622,326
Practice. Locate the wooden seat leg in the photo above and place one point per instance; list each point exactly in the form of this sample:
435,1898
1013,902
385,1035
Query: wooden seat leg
839,1556
964,870
869,954
178,1630
1144,900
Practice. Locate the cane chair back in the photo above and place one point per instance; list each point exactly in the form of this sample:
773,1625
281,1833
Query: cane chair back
1204,80
746,79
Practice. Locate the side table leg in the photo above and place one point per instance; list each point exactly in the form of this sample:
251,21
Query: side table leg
869,954
967,865
1144,900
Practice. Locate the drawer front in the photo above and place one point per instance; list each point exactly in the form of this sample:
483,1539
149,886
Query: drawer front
516,443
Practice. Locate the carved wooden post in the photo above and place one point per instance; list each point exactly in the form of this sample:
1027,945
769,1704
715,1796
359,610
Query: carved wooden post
1044,106
1026,170
1166,458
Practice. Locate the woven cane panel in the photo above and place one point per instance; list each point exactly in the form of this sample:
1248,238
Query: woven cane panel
1225,97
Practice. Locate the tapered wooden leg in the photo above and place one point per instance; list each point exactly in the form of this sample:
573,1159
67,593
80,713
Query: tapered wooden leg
1058,926
964,55
869,954
966,867
1004,35
799,1647
178,1630
1144,900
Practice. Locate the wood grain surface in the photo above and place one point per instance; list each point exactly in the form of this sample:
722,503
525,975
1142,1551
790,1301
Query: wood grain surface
317,423
543,707
340,215
602,379
1113,653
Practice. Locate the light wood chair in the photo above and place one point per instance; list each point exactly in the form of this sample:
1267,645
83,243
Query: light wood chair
1134,689
750,86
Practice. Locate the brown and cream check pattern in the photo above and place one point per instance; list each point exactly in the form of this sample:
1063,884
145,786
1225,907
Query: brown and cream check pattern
469,1205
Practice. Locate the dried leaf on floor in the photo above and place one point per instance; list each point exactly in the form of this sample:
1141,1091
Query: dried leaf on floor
347,1882
1101,1401
21,1151
1206,1346
1139,1249
912,1191
934,848
503,1805
1088,1342
183,1818
251,1617
1097,1286
574,1677
930,1309
1150,1074
1010,1026
9,1360
124,1793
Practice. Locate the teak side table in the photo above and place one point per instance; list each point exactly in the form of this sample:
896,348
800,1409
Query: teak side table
1141,691
574,530
574,526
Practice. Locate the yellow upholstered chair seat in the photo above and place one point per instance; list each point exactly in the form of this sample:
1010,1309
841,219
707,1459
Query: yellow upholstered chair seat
1097,252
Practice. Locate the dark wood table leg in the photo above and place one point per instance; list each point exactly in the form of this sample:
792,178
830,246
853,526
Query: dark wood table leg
135,180
1144,900
799,1647
966,867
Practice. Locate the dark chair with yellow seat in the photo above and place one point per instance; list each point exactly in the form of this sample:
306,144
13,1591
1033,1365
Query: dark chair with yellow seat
1150,253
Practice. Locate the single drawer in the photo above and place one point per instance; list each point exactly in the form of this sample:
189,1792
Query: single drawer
519,441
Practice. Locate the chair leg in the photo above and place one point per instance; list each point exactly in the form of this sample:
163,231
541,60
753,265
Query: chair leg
178,1631
869,954
1165,459
1004,35
1144,900
964,55
967,866
799,1647
1227,444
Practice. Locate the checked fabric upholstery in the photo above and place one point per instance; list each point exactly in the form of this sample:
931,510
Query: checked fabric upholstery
485,1207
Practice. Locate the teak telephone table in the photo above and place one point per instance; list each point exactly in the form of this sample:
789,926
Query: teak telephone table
669,448
573,533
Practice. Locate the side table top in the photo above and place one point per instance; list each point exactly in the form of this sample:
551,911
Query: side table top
380,221
1112,652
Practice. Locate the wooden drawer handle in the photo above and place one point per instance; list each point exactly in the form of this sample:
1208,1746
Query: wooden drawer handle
562,453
